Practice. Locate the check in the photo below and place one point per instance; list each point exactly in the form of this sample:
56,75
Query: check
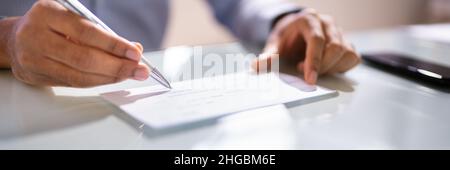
213,97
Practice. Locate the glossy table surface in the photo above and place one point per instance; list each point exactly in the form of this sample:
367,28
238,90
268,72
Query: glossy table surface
374,110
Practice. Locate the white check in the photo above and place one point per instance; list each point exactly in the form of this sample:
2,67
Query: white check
213,97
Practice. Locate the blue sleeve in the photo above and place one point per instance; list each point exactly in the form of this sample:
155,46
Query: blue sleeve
250,20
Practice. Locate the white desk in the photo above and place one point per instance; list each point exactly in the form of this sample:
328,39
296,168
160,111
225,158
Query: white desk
374,110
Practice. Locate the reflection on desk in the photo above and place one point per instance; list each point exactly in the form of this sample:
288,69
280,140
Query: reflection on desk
375,110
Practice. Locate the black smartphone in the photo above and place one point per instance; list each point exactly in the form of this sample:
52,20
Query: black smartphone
411,66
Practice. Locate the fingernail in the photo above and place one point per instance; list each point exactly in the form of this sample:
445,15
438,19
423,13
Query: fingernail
139,45
132,54
141,74
312,77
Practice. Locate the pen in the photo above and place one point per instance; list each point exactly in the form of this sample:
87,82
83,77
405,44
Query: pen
78,8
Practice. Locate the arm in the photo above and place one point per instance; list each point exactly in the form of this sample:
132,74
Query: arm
6,26
250,20
50,46
302,37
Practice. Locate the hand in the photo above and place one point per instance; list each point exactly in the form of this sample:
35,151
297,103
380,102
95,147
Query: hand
52,46
310,41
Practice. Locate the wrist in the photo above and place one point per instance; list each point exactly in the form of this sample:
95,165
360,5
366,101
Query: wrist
283,15
6,35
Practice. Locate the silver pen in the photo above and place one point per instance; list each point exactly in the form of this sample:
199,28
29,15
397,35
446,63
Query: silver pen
78,8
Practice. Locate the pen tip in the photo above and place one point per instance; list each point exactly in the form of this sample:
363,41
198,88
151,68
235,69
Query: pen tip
168,86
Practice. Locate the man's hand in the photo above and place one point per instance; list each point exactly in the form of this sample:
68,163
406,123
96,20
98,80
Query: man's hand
51,46
310,41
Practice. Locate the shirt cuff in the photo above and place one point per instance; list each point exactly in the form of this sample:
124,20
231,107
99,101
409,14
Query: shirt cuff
259,25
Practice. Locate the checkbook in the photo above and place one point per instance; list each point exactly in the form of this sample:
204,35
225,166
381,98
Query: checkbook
212,97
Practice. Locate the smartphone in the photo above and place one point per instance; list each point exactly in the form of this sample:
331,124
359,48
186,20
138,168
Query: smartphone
411,66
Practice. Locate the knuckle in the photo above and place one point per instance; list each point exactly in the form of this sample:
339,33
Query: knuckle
313,16
327,18
303,20
115,46
124,69
40,5
65,17
336,46
310,11
317,38
300,17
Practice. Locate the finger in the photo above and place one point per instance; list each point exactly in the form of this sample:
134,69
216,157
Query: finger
301,67
348,61
333,53
311,29
139,46
69,76
86,33
283,40
265,60
334,49
90,60
288,39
